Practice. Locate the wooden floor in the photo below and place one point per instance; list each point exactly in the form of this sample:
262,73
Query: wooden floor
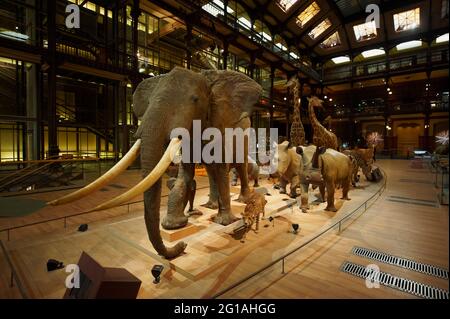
397,223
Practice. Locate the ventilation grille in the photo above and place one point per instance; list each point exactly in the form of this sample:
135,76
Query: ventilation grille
401,262
399,283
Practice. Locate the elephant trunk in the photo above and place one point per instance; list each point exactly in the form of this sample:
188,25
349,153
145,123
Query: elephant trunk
150,159
152,200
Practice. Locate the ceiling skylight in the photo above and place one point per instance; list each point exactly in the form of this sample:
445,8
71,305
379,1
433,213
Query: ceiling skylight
409,45
407,20
341,59
285,5
216,7
320,28
442,38
308,14
372,53
365,31
333,41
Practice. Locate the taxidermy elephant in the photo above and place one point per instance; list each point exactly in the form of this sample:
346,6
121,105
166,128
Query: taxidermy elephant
252,171
220,99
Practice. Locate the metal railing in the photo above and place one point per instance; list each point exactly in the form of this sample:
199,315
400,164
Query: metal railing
282,259
65,218
14,277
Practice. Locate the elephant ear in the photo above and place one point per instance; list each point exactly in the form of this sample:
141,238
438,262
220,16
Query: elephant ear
235,90
143,94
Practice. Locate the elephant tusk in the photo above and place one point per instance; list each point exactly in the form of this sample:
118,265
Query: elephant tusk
148,181
117,169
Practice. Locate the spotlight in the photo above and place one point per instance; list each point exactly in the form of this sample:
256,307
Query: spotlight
83,227
53,264
295,227
156,272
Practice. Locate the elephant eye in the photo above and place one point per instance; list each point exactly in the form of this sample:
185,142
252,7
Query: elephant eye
194,98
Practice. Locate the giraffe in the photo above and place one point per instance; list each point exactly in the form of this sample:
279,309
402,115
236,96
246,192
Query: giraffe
321,136
297,133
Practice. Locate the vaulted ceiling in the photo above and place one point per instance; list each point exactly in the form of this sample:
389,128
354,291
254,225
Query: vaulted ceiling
342,16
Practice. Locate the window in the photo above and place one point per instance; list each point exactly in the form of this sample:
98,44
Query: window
371,53
443,38
407,20
444,9
285,5
409,45
333,41
308,14
366,31
319,29
341,59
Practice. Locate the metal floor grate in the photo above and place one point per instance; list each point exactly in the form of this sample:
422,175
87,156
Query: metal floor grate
411,202
401,262
399,283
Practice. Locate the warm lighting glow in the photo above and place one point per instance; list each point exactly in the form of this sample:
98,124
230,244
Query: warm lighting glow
341,59
365,31
372,53
409,45
442,38
308,14
407,20
319,29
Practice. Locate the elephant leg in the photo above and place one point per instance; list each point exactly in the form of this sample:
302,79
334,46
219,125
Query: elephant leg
213,202
294,184
178,198
283,182
152,201
322,192
345,189
193,190
330,198
304,197
234,177
243,177
256,183
224,216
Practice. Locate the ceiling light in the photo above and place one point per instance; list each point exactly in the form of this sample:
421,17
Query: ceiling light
325,97
409,45
390,92
341,59
372,53
442,38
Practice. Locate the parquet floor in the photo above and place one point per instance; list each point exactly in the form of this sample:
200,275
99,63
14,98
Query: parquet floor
406,221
